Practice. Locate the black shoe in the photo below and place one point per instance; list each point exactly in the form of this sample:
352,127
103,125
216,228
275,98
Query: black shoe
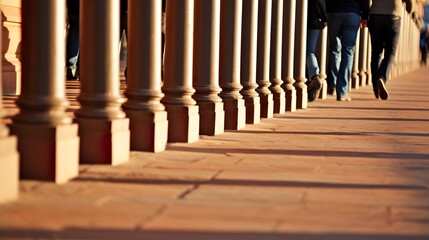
331,91
376,95
314,88
384,94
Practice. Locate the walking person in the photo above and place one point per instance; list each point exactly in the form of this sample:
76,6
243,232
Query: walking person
424,45
316,21
384,26
344,19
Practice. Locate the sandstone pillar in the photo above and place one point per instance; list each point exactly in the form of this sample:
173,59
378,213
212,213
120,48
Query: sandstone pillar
355,80
230,60
148,118
248,61
182,110
300,54
288,54
363,56
263,61
322,49
48,141
9,166
206,67
276,57
103,127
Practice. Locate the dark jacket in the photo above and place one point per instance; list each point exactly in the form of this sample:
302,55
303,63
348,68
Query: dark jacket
316,17
360,7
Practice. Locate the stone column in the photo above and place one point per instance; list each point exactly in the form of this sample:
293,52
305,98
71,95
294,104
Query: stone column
263,61
9,166
182,110
368,66
103,127
206,67
148,118
288,54
300,54
279,95
322,48
363,56
355,80
48,141
248,61
230,60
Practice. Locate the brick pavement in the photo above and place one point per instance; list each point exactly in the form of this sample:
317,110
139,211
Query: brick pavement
349,170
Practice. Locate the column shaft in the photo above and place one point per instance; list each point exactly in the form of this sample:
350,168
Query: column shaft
9,166
206,67
248,61
182,110
363,56
148,118
300,54
322,48
230,60
288,54
103,128
355,78
43,127
276,57
263,58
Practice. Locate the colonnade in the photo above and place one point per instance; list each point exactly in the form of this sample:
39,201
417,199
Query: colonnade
227,63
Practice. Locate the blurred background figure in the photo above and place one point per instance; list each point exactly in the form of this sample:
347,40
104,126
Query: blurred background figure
72,51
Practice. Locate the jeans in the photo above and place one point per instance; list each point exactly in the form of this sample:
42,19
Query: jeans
384,30
312,64
342,33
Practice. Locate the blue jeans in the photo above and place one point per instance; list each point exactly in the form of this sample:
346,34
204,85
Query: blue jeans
384,30
312,64
342,33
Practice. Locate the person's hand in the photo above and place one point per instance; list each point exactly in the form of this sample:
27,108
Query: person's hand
363,23
325,24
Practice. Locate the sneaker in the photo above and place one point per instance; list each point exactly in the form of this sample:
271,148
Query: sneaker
344,99
314,88
384,94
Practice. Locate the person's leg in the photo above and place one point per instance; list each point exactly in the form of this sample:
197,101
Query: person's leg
314,83
391,33
72,47
312,64
348,35
376,31
334,55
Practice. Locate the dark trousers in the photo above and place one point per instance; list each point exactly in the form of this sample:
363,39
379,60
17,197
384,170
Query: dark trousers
384,30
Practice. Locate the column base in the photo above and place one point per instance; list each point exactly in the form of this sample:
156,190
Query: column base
301,96
149,130
279,102
253,110
184,123
355,82
104,141
212,118
267,106
324,90
48,153
362,82
291,100
9,169
235,114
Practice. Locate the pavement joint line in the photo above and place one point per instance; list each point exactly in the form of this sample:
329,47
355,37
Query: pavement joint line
189,191
140,225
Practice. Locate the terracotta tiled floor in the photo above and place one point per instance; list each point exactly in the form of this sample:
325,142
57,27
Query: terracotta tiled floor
338,170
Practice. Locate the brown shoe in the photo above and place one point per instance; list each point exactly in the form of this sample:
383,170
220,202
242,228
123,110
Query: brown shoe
384,94
314,88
